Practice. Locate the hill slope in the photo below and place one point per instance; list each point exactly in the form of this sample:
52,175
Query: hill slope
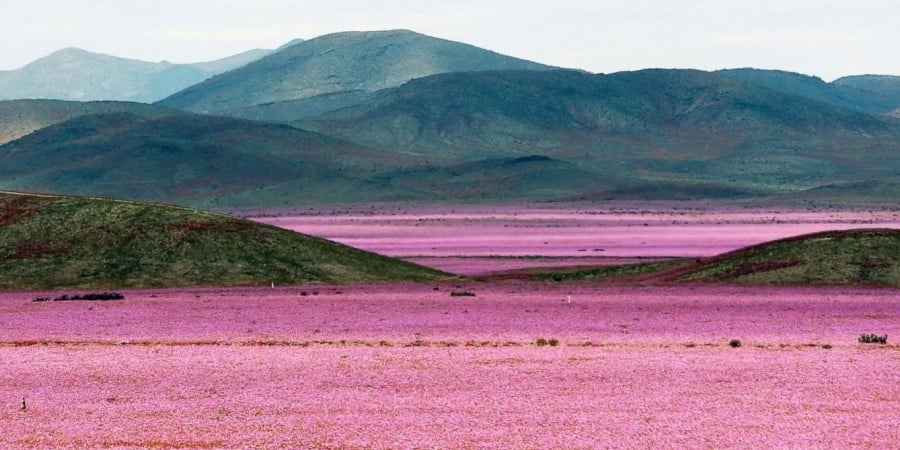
866,257
665,130
22,117
886,86
851,257
67,242
196,160
843,92
347,65
75,74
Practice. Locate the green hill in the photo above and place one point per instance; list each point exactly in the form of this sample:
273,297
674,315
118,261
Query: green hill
342,67
885,86
192,159
67,242
22,117
488,136
684,131
852,257
860,257
843,92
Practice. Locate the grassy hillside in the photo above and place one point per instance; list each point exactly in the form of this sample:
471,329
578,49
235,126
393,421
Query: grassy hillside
339,64
853,257
22,117
861,257
67,242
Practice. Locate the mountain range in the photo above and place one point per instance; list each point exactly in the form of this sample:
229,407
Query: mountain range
396,115
76,74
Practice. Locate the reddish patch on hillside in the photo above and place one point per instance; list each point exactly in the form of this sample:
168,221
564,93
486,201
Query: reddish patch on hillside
13,208
32,250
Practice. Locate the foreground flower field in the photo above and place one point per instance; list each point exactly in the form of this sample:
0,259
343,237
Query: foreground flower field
413,366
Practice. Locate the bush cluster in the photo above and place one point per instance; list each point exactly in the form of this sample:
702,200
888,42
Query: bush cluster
90,296
541,342
462,294
872,338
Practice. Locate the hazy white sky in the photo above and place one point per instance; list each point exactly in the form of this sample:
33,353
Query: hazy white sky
827,38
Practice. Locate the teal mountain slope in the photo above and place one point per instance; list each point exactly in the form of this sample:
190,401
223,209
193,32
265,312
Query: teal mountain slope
22,117
75,74
346,65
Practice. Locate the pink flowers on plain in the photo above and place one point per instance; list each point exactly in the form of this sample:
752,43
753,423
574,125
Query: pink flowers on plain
385,366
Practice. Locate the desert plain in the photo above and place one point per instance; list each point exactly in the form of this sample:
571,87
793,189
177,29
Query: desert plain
472,362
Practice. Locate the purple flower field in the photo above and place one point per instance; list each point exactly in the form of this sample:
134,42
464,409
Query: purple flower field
386,366
512,364
469,239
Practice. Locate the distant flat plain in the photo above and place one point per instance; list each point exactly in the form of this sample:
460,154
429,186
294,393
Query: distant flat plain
474,240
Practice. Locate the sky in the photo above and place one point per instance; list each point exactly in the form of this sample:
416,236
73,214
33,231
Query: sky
826,38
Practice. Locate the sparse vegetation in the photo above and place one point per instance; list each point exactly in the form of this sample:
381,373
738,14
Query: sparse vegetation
51,242
846,257
94,296
605,272
872,338
462,294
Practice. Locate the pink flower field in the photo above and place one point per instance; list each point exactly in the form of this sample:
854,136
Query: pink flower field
411,366
469,239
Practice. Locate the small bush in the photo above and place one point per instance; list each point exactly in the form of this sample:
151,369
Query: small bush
553,342
827,346
872,338
462,294
94,296
541,342
734,343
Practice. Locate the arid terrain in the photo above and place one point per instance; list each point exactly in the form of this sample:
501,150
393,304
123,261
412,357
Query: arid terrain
467,364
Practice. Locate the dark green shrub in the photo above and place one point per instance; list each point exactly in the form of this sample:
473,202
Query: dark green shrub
734,343
462,294
872,338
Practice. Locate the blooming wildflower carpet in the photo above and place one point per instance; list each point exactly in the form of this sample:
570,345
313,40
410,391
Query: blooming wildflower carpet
411,366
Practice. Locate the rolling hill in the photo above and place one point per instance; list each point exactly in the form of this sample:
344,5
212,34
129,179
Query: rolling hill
843,92
76,74
333,71
851,257
867,257
887,86
69,242
22,117
195,160
656,131
479,137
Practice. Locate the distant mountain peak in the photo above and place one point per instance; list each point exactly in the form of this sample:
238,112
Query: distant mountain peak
343,64
73,73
